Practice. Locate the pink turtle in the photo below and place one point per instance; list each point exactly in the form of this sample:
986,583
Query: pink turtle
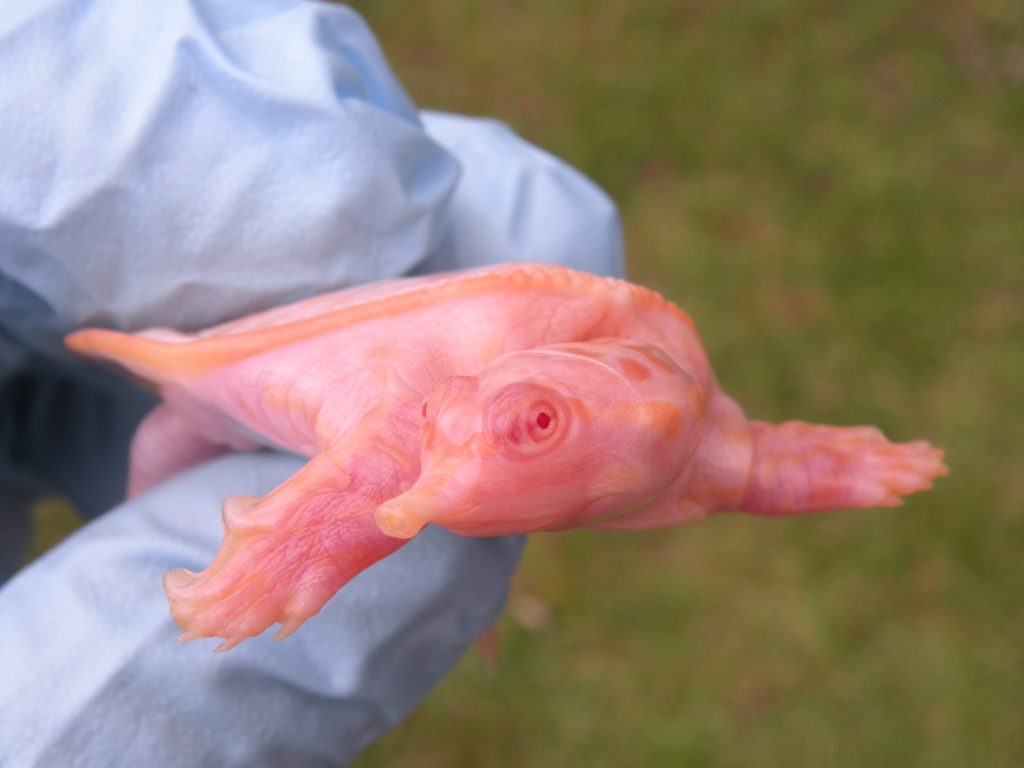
493,401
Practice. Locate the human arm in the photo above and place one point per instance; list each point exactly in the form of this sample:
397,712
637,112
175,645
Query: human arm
86,653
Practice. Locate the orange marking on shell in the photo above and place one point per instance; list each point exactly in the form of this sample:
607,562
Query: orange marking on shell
656,356
633,370
663,416
619,478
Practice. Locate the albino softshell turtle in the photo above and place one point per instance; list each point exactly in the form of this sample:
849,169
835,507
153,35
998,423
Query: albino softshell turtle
492,401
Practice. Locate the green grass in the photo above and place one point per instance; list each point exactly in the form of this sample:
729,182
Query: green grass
835,192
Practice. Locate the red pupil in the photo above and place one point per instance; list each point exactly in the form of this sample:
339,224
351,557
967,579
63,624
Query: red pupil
543,420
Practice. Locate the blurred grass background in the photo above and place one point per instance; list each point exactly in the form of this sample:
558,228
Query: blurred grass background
835,192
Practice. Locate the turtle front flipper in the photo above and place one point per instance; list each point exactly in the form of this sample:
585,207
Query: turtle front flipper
286,554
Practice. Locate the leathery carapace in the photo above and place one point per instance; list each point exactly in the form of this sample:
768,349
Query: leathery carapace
502,400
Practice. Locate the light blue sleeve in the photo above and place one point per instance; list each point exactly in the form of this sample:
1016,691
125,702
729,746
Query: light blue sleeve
516,202
90,674
190,161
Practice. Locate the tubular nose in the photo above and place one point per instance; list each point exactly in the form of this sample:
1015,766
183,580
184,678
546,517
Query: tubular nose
404,516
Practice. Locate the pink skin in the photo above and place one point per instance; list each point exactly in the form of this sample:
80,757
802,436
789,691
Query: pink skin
558,437
496,401
564,437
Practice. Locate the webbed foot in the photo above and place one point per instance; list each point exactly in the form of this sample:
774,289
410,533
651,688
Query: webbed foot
286,554
801,467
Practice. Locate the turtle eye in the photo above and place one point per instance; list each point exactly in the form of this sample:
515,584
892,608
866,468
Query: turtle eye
524,421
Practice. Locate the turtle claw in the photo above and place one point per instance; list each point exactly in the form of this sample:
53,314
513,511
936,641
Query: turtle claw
283,557
287,628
